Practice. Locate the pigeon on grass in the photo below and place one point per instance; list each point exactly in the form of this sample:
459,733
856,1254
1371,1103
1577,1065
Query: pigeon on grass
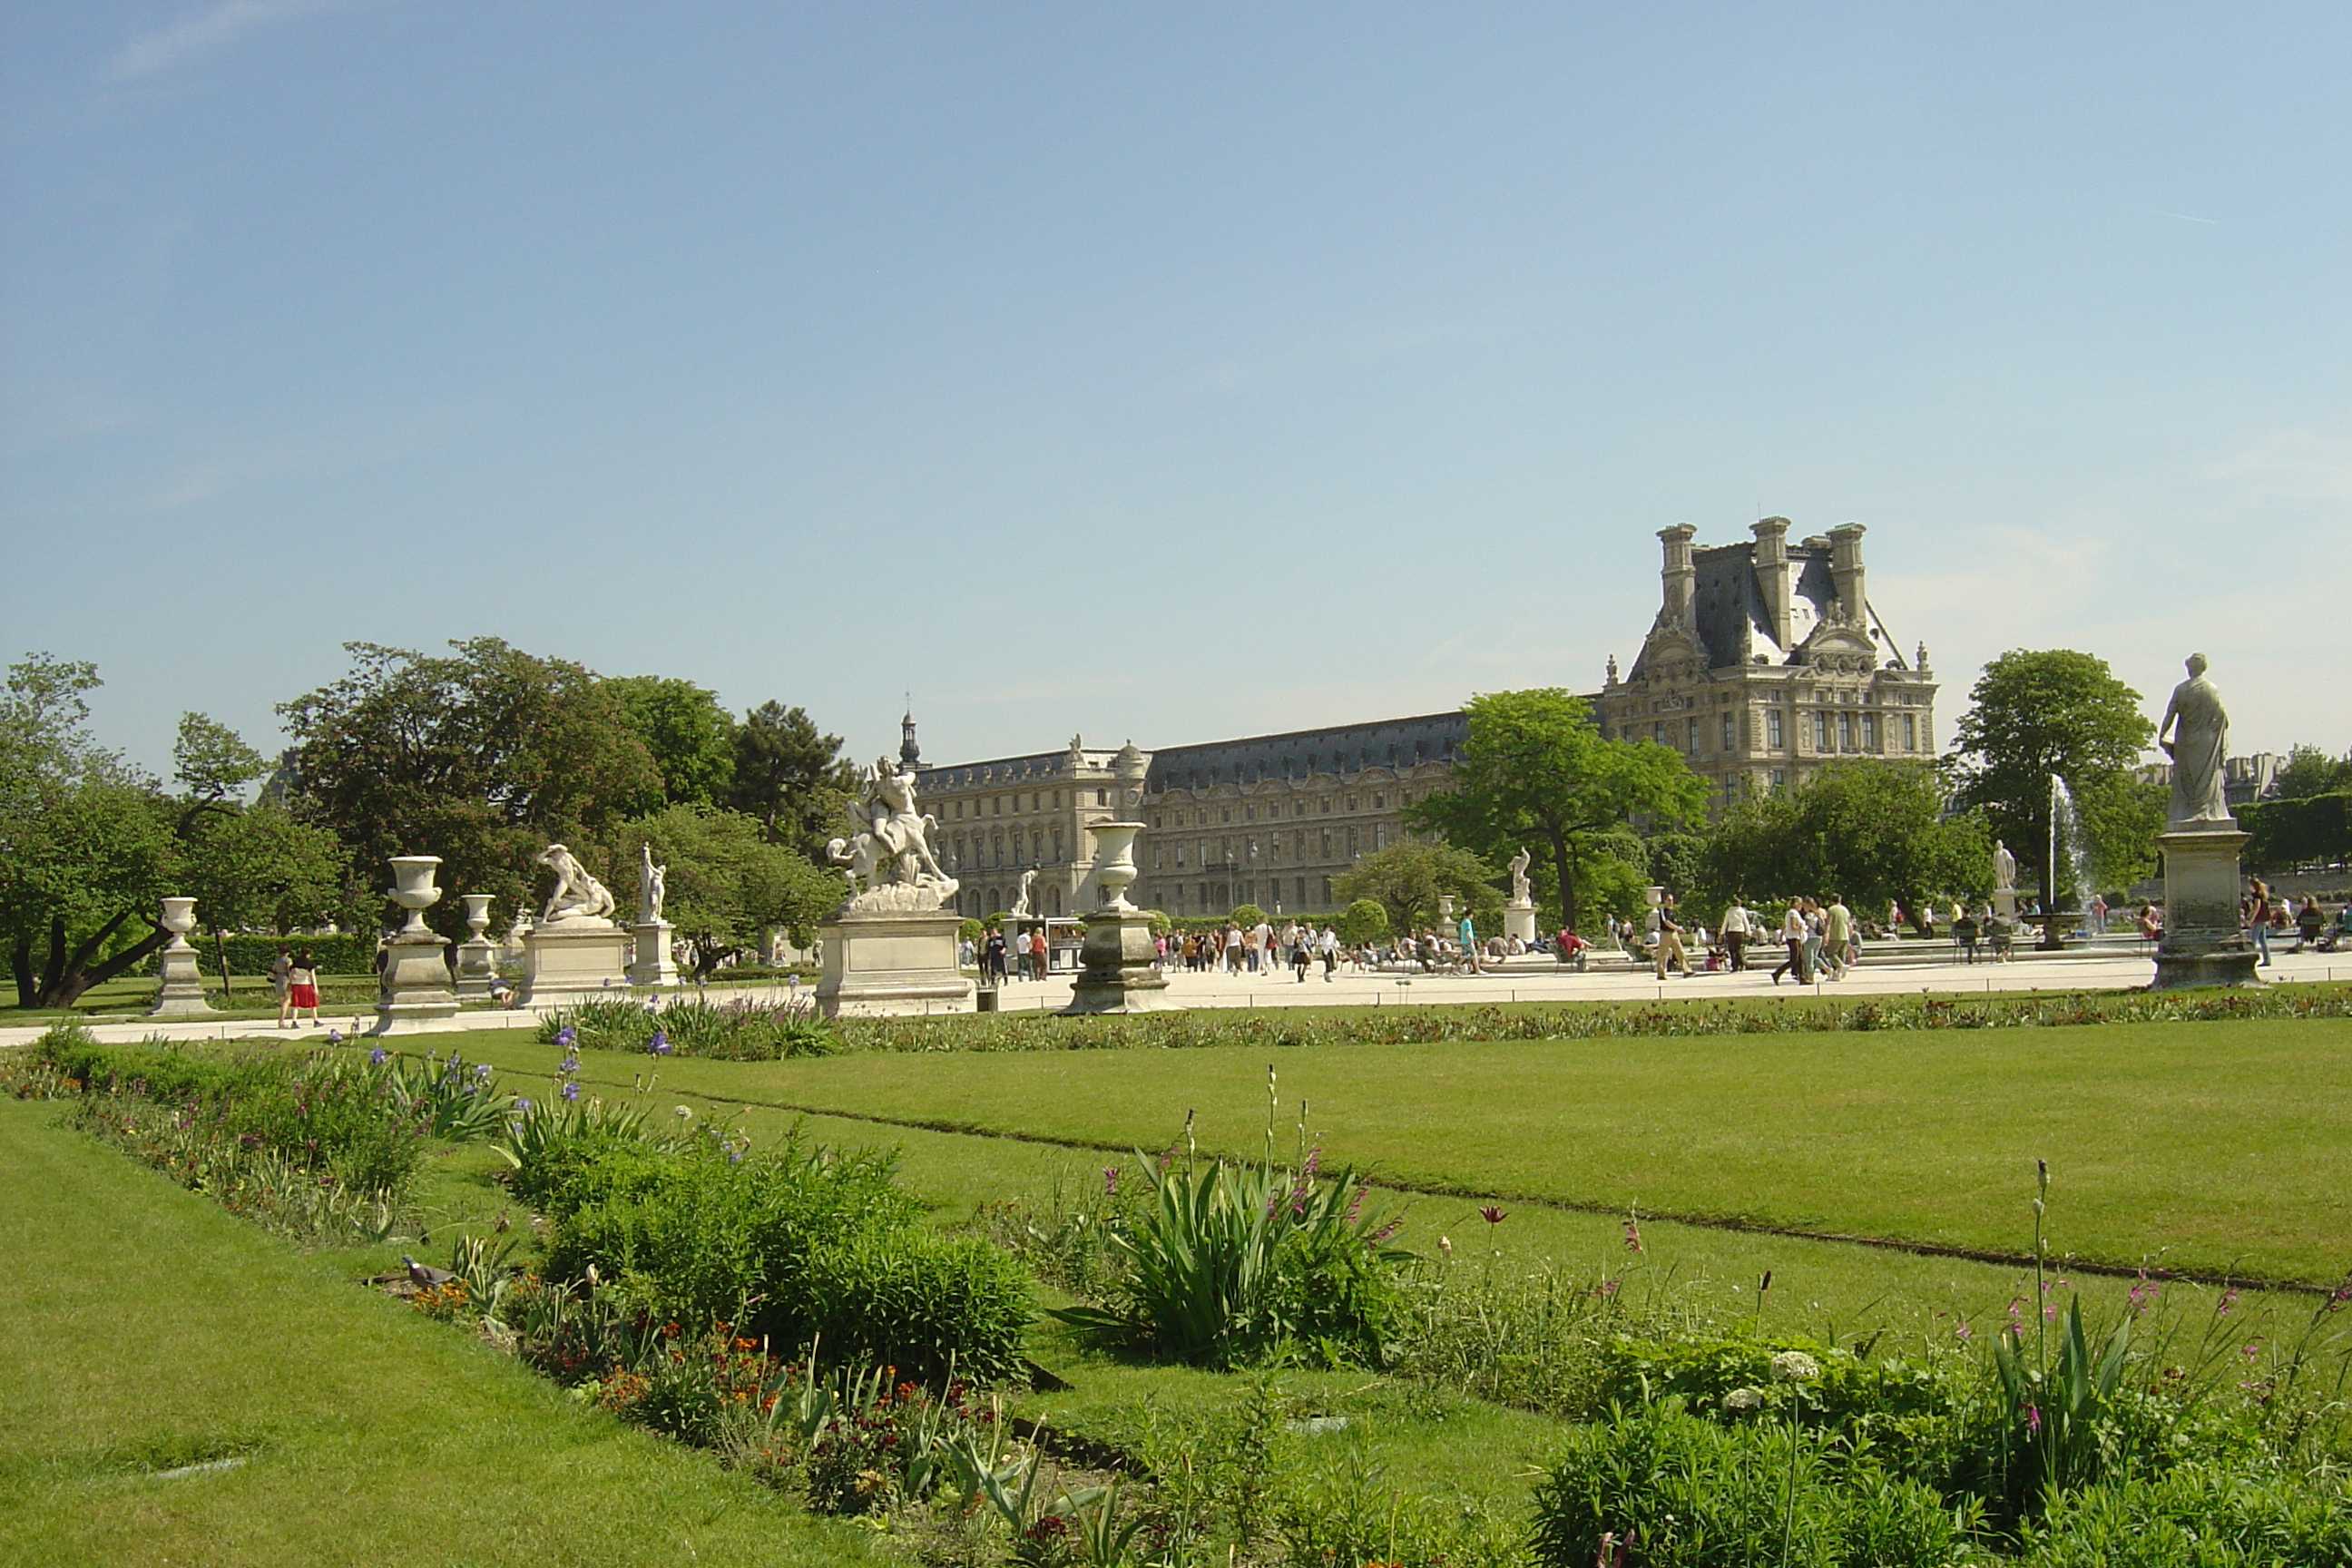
423,1276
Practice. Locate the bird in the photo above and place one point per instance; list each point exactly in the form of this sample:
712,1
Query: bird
423,1276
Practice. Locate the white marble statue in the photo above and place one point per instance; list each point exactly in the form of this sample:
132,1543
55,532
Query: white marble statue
888,860
2200,738
1520,893
2004,868
1022,908
578,894
652,884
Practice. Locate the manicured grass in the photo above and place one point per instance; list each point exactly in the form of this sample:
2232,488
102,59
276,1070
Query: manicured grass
2209,1146
149,1330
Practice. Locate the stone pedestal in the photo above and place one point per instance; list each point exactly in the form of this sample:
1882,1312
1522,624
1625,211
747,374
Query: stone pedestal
888,962
477,956
2203,943
572,961
1519,920
1116,974
414,996
653,965
180,989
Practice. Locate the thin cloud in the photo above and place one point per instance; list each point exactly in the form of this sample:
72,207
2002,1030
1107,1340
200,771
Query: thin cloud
2184,217
184,41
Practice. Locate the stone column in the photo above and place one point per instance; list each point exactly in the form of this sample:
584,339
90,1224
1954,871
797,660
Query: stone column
181,991
1116,975
414,996
2203,943
653,965
477,956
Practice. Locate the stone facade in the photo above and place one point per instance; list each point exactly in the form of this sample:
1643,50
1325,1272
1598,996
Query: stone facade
1271,820
1766,660
1009,815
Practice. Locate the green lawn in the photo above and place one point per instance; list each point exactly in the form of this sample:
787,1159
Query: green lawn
149,1330
2216,1146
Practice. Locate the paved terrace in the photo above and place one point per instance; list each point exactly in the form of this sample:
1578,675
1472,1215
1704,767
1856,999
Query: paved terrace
1890,969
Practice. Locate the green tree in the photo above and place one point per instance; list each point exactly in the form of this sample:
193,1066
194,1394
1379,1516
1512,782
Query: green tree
724,883
791,776
86,840
481,757
689,736
1361,923
259,868
1408,876
1872,831
2310,772
1535,771
2036,713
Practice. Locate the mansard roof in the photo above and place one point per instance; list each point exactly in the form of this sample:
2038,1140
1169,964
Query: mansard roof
1339,750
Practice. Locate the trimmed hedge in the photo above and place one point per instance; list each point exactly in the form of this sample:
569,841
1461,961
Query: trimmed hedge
2313,831
348,954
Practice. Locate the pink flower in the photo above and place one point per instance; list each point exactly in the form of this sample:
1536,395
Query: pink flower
1632,1237
2033,1420
1110,1179
1491,1213
2228,1299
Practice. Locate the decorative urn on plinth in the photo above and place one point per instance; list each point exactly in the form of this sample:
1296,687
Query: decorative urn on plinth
1118,971
180,989
414,996
477,956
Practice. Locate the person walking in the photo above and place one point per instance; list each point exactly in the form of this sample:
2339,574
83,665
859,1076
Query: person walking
281,968
1669,949
1837,937
302,987
1735,931
1328,945
2257,909
1302,954
1793,932
992,958
1037,952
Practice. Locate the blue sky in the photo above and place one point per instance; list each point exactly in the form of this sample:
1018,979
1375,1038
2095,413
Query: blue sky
1175,371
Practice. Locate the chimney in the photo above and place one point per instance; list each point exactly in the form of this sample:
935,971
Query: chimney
1773,575
1676,573
1845,569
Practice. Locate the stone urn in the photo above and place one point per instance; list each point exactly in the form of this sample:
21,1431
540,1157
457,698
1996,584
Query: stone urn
1114,860
413,889
478,913
179,919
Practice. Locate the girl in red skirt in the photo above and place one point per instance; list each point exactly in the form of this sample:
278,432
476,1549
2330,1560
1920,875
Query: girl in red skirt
302,988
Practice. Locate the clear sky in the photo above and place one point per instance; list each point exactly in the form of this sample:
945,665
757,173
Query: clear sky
1175,371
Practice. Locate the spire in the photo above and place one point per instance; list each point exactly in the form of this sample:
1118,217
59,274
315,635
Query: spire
909,755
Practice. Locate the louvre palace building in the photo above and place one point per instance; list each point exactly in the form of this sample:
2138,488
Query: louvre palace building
1764,661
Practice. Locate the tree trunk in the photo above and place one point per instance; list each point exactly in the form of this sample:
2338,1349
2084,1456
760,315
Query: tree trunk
20,961
1567,868
66,974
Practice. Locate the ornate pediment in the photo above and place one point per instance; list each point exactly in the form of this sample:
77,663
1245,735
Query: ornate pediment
1837,648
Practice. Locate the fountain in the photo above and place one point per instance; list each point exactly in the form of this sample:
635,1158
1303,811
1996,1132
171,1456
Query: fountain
2066,838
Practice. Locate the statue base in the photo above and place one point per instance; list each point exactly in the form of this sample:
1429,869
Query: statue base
653,965
2203,943
414,997
180,990
572,961
478,968
1520,921
1116,974
882,963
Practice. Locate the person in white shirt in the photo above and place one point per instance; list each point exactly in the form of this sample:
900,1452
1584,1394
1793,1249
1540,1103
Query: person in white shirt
1736,931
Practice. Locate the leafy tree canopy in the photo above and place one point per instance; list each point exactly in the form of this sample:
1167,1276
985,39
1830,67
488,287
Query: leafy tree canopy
1407,877
2311,772
1536,773
481,756
1872,831
1361,923
725,884
791,775
2033,713
689,736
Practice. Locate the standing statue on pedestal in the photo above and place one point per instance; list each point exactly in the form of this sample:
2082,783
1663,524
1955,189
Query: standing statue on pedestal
653,882
1022,908
2200,738
889,862
2004,868
578,894
1520,892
